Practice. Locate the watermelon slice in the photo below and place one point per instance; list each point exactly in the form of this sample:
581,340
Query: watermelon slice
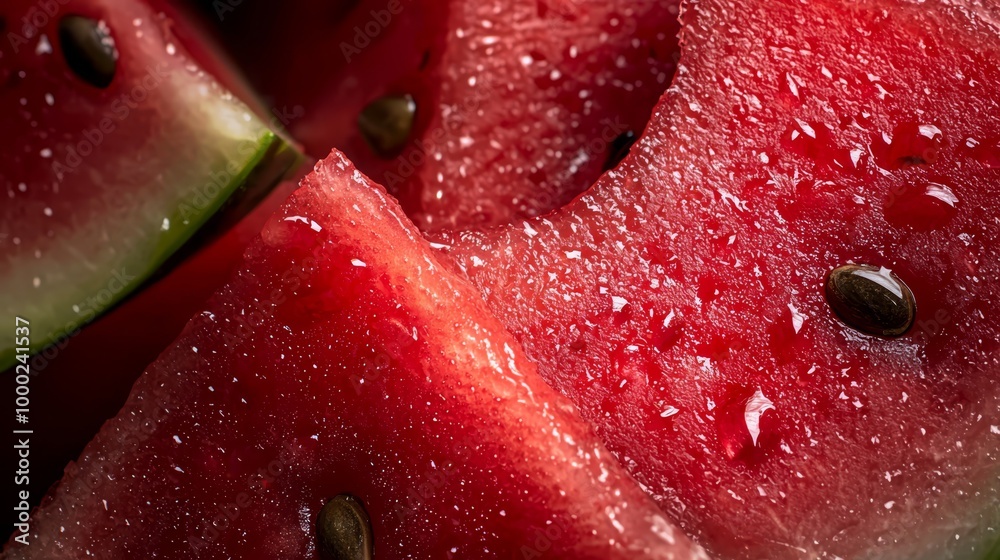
116,149
681,302
343,391
77,369
517,105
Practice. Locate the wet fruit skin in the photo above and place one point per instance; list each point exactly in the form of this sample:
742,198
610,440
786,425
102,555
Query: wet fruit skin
693,276
520,102
397,388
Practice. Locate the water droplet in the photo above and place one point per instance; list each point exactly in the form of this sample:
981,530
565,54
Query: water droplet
755,408
871,300
344,531
298,231
738,420
669,411
44,46
910,144
923,208
815,140
985,151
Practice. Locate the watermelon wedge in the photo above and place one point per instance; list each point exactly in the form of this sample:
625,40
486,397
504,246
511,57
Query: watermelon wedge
682,302
514,106
343,392
77,370
117,148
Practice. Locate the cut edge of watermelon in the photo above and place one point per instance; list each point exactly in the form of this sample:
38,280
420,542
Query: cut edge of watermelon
273,236
985,534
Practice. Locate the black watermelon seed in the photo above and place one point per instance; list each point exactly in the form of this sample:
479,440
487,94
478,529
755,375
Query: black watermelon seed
344,531
619,148
88,49
870,299
387,123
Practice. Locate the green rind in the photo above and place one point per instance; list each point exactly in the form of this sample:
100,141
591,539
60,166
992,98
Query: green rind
994,552
192,216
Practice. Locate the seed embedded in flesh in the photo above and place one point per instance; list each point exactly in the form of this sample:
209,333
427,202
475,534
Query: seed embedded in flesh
88,49
387,123
619,148
871,299
344,530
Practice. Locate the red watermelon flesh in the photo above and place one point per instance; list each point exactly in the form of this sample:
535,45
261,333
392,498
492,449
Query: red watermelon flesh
518,102
680,302
342,358
332,59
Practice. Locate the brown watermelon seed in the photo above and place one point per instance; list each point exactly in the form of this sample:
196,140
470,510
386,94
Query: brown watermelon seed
619,148
88,49
871,299
344,531
387,123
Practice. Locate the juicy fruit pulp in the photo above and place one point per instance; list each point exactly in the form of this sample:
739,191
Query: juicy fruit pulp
343,359
519,104
680,302
109,165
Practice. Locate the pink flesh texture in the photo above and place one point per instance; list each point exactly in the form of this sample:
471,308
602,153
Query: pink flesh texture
713,240
516,106
343,359
530,103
